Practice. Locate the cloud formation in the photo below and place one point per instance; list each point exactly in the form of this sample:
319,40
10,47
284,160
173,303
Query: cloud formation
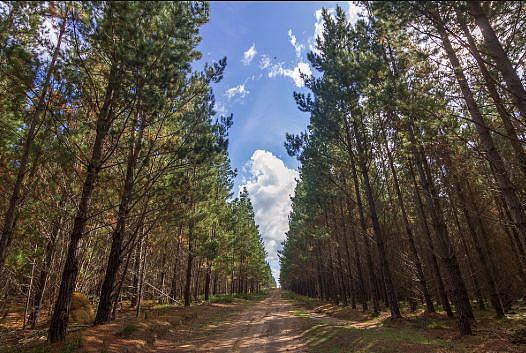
270,186
298,47
319,26
354,13
249,55
238,90
220,108
294,73
264,62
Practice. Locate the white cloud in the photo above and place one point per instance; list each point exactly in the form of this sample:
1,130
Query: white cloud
354,12
264,62
294,73
294,42
220,108
249,55
270,186
319,26
238,90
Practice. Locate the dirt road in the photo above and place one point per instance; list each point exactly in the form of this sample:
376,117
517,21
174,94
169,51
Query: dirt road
268,326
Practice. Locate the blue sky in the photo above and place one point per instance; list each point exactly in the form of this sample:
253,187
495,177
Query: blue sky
266,45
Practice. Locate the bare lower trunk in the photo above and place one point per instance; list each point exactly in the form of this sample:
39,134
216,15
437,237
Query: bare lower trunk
117,237
457,286
59,319
408,231
189,264
502,62
141,279
384,263
40,284
136,270
479,237
493,156
429,240
207,283
363,225
361,285
471,268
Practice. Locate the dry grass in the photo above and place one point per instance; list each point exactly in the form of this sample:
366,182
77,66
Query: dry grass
157,323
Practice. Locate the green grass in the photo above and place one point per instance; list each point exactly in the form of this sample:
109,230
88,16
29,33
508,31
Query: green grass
70,345
339,339
300,313
229,298
222,298
127,330
302,300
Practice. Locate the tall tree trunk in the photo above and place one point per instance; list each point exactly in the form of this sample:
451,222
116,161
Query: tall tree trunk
189,264
479,237
40,284
513,238
471,268
142,257
60,317
429,241
493,156
408,231
207,283
162,277
502,62
30,290
505,117
482,247
358,263
445,247
118,290
384,263
10,216
136,270
175,268
216,286
117,237
365,236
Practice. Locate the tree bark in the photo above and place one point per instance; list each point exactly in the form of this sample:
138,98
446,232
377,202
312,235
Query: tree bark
136,271
370,265
60,317
493,156
429,241
388,281
412,245
117,237
189,264
456,283
505,117
44,273
140,286
10,216
502,62
207,283
469,260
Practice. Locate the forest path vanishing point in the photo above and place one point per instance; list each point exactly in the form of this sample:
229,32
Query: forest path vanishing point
268,326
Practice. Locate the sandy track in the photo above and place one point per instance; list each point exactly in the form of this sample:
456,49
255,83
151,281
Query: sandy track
267,327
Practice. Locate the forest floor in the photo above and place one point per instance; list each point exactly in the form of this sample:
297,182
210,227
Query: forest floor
281,322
